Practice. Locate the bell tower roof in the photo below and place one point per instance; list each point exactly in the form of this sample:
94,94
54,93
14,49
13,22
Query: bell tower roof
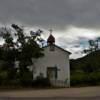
51,39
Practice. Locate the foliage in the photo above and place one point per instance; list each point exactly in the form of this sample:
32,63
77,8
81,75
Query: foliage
85,79
19,47
42,82
86,70
93,45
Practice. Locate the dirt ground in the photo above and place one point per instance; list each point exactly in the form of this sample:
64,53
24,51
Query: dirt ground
64,92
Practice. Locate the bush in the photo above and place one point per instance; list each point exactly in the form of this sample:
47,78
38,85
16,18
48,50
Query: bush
41,82
85,79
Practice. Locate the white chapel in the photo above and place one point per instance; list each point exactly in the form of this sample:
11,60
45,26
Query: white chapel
54,65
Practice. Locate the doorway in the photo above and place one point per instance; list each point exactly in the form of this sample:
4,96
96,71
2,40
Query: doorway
52,73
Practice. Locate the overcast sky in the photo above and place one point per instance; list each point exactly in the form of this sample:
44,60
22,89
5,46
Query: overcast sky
73,21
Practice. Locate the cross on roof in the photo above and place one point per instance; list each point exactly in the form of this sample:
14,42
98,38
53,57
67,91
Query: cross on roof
51,31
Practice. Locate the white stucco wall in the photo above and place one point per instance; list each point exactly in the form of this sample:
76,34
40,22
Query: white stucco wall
58,58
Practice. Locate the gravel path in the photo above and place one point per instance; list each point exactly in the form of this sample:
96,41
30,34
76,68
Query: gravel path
69,93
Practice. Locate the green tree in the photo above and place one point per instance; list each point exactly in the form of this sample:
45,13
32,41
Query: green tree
8,56
19,48
28,49
93,45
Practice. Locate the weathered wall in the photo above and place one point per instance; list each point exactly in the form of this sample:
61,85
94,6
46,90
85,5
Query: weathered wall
57,58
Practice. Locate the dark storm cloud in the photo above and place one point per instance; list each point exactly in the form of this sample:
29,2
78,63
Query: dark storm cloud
51,13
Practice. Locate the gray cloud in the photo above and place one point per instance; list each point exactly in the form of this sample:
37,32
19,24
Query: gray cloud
56,13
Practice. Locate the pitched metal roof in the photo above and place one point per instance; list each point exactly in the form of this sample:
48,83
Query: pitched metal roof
59,48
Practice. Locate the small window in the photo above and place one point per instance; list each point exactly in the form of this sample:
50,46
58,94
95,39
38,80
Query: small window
52,48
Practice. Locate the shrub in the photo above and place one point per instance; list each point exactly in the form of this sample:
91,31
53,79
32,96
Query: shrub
85,79
41,82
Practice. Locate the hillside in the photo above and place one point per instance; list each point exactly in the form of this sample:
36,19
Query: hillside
86,70
88,61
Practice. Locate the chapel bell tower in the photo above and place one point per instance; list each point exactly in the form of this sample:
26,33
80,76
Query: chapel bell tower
51,42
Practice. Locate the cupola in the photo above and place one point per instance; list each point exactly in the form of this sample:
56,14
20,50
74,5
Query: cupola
51,40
